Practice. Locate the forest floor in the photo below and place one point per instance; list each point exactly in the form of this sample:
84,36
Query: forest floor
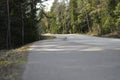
112,35
12,62
109,35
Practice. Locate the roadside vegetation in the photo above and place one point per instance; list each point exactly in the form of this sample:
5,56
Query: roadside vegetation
96,17
47,37
21,22
12,63
19,26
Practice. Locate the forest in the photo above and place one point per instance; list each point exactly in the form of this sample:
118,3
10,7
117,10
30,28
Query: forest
21,22
18,23
97,17
68,57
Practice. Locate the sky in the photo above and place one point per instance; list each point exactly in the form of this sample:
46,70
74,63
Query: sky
48,4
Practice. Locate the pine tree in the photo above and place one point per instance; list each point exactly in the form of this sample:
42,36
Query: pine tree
73,7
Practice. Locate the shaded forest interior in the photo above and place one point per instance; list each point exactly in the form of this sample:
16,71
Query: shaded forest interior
18,23
21,22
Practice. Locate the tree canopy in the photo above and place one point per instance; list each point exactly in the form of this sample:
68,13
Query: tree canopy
83,16
21,22
18,22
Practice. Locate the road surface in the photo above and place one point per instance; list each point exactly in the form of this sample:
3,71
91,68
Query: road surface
74,57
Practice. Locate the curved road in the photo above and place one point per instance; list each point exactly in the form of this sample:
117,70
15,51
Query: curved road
74,57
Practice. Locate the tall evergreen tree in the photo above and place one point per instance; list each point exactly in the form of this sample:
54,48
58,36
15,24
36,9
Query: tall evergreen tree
18,22
73,7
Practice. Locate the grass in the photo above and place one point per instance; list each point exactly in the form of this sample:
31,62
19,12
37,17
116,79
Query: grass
47,37
112,35
109,35
12,63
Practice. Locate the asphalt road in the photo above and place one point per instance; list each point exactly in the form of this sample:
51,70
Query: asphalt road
74,57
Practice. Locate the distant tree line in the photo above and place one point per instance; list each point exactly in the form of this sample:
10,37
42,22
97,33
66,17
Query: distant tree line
18,22
83,16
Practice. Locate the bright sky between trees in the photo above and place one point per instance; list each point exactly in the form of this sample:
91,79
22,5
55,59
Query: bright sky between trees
48,4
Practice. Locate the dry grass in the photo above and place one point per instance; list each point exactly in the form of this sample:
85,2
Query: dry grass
12,63
47,37
92,33
112,35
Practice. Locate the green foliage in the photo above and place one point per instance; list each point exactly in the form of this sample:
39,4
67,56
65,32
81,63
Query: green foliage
117,14
82,16
23,22
73,6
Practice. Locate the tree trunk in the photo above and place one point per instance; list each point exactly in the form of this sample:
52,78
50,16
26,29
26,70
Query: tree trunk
22,24
9,27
